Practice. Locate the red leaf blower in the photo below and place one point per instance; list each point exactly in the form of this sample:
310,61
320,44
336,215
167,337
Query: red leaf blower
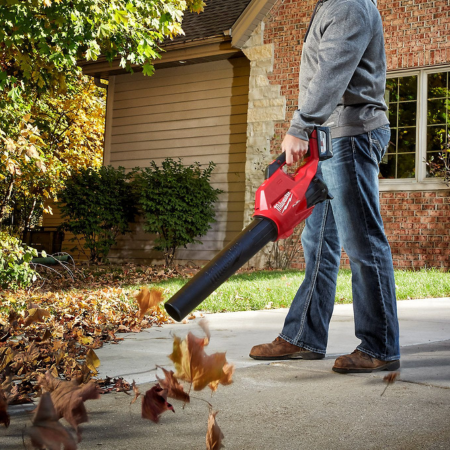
282,202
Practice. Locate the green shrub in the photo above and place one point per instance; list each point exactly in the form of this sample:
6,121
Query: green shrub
15,257
98,205
177,202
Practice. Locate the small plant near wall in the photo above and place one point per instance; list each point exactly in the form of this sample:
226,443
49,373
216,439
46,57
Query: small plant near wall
283,253
177,202
98,205
15,258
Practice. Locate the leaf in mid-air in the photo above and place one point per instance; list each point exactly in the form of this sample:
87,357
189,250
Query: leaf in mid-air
174,388
4,416
68,398
46,431
36,315
193,365
136,391
154,403
147,299
214,434
92,361
389,379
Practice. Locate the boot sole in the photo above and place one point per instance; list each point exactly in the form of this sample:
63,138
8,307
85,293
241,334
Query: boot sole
301,355
390,366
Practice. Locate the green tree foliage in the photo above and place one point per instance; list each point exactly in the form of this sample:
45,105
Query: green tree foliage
98,205
51,118
15,270
42,40
43,140
177,202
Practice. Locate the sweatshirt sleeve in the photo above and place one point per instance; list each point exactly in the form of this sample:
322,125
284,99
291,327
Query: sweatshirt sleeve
346,35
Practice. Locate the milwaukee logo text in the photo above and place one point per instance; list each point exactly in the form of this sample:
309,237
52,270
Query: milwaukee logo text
282,205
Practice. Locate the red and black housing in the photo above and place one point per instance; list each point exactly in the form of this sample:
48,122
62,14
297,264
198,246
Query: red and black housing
282,202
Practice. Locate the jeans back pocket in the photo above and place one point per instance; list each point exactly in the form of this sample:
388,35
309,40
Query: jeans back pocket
379,142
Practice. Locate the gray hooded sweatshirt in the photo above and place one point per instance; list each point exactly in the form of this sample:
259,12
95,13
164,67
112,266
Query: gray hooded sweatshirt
343,71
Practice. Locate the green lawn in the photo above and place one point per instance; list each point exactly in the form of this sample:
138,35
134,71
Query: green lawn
257,290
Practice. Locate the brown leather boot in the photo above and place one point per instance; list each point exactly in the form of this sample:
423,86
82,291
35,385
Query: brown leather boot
360,362
281,349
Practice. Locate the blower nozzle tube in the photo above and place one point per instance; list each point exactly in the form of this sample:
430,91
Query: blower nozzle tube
252,239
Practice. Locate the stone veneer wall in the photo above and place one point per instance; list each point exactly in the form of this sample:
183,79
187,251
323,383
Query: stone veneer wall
417,34
267,107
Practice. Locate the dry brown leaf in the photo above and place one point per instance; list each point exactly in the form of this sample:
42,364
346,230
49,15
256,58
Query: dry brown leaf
227,377
389,379
8,356
214,434
31,305
4,335
68,398
121,385
13,317
136,391
84,375
47,335
193,365
7,384
174,388
57,345
154,403
36,315
92,361
46,431
10,391
4,416
30,354
148,299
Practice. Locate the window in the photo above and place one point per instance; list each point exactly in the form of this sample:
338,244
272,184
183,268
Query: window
438,117
419,112
401,99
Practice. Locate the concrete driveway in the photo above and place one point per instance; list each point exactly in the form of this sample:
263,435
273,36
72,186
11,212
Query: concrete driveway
281,405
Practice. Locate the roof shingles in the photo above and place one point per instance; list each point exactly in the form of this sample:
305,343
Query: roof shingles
218,16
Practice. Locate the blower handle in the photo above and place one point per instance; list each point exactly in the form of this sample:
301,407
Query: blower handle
322,138
280,161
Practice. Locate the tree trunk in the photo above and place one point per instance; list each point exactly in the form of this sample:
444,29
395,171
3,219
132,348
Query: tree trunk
6,199
28,218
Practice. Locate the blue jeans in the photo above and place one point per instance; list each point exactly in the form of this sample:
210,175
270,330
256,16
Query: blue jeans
351,220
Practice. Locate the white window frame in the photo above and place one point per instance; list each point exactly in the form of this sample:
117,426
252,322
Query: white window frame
420,182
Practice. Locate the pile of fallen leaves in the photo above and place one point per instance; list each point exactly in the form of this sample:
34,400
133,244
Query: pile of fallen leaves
59,323
65,399
98,276
59,332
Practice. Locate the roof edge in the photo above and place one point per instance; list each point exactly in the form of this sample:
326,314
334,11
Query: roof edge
217,46
249,20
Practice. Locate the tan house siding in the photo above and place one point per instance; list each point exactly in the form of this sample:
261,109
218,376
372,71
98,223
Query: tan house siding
197,113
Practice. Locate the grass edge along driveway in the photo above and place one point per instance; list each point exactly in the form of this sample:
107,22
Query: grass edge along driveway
257,290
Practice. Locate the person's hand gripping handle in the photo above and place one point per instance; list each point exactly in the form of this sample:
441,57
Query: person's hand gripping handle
294,148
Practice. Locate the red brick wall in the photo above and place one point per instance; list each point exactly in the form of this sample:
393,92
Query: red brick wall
417,34
418,228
